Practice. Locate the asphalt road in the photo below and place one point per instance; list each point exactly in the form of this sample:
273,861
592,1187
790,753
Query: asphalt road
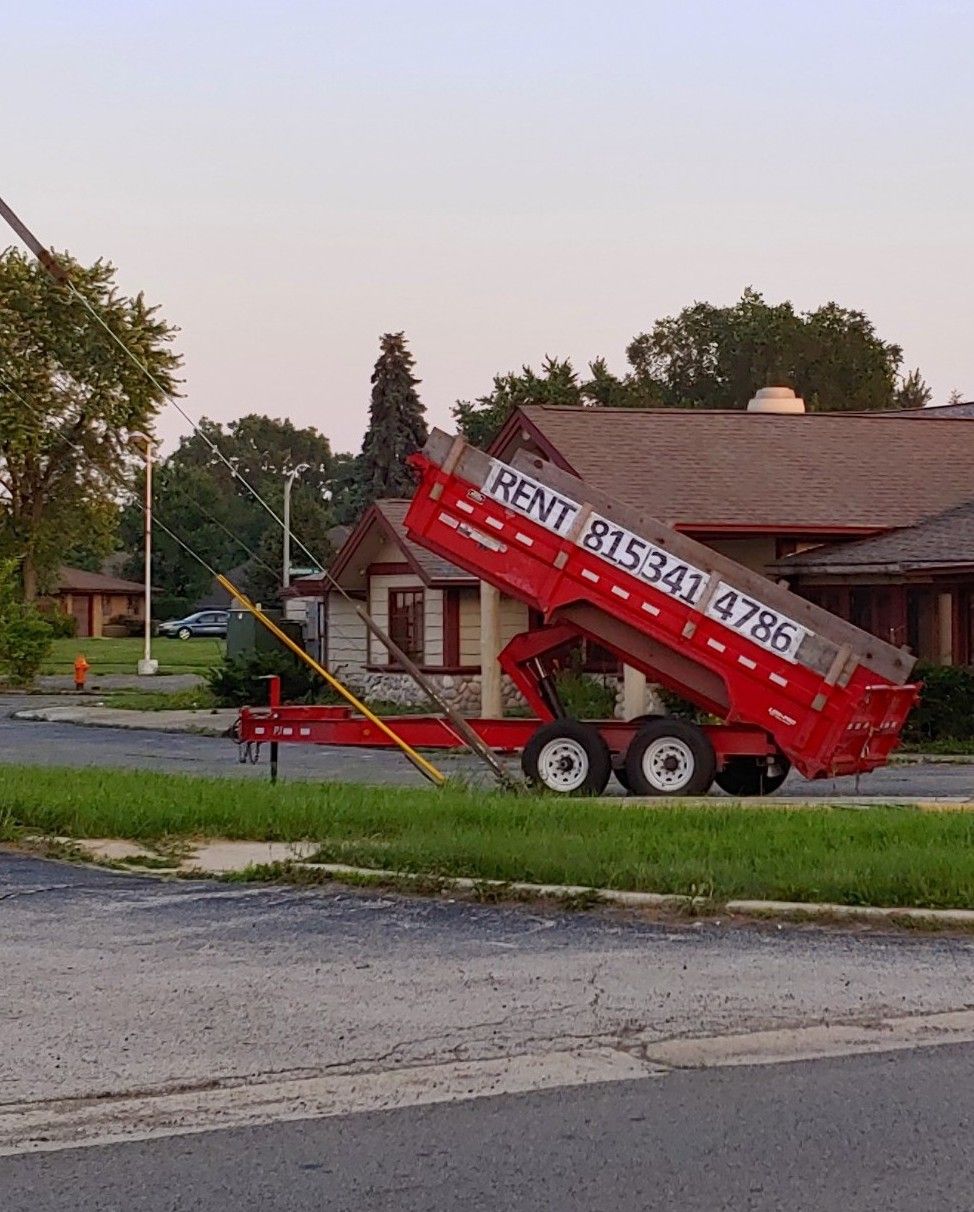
72,745
277,1048
871,1134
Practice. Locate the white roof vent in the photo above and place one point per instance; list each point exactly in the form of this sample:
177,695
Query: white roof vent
776,399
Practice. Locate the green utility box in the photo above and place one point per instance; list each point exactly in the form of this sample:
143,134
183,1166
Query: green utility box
245,633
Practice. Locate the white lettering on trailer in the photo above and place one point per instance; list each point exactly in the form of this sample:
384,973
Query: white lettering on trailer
531,498
643,559
766,627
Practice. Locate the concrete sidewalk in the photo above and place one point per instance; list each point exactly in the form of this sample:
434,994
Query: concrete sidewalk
208,721
159,683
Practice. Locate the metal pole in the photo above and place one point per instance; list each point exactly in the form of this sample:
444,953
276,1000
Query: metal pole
288,485
147,665
148,555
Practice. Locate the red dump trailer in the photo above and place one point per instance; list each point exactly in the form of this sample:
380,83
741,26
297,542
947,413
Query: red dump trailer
785,682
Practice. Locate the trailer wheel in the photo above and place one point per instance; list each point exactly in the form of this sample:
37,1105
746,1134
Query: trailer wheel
748,776
670,757
567,757
620,770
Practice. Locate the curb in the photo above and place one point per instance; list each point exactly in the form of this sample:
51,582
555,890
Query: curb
658,900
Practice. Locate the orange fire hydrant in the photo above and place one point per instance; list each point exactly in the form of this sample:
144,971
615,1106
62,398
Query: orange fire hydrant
80,671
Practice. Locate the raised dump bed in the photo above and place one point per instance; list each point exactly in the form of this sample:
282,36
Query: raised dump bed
789,683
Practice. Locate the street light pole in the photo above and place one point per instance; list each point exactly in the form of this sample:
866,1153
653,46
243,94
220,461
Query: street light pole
147,665
289,479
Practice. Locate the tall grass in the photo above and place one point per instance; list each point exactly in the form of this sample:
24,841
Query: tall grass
890,856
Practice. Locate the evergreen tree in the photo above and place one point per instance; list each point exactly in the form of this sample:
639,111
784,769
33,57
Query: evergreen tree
397,423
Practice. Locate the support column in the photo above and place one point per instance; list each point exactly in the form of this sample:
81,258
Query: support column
633,692
945,628
491,701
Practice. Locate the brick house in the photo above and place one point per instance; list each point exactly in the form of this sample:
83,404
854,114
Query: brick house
93,598
871,515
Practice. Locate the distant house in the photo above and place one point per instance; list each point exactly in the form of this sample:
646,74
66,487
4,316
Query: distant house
870,515
94,599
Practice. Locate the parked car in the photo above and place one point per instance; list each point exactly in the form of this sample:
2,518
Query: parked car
203,622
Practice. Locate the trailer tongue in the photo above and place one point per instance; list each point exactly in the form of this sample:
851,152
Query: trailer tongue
784,682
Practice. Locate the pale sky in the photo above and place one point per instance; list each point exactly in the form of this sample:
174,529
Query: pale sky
500,179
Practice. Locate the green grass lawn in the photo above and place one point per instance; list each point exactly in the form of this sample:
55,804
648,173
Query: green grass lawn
889,856
122,656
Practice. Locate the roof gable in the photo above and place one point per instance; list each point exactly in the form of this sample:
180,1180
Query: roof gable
384,522
701,469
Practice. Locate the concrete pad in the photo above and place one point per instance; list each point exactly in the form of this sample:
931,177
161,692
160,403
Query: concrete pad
204,722
224,857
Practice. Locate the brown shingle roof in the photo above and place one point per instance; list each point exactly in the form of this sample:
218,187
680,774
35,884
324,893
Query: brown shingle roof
79,580
431,567
389,514
738,469
944,541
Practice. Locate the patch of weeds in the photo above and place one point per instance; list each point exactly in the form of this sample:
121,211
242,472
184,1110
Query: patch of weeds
579,902
148,861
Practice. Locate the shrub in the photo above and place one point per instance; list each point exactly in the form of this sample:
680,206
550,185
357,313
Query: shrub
240,681
946,707
25,638
63,625
585,697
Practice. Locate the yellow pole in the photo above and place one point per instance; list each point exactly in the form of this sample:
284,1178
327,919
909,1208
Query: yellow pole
427,768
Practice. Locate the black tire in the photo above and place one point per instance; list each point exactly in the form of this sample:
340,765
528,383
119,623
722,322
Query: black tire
621,777
748,776
670,757
568,758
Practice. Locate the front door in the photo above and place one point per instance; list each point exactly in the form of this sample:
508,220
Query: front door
81,608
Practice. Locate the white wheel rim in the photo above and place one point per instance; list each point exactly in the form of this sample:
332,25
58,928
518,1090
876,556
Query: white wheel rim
668,764
563,765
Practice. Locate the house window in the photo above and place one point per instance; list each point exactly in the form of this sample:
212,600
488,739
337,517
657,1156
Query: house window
406,622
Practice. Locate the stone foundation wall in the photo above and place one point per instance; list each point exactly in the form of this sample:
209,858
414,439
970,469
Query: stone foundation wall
461,690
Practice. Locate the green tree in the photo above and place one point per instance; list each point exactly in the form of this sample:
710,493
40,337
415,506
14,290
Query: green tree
481,419
397,423
557,384
204,501
66,386
913,391
717,357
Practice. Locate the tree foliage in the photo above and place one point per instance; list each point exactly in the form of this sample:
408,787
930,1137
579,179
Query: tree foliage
70,400
558,383
718,357
397,423
913,391
25,638
202,500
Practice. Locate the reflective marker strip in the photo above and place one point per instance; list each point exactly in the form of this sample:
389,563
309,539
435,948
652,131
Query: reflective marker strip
525,539
650,608
776,677
465,506
497,525
716,644
747,662
620,592
590,576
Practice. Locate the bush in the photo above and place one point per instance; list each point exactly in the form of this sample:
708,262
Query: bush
946,707
63,625
168,606
131,622
239,681
585,697
25,637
